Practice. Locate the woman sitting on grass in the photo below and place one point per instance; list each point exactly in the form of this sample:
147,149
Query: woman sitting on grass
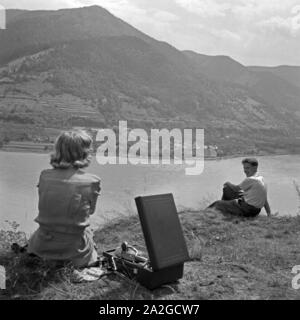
67,198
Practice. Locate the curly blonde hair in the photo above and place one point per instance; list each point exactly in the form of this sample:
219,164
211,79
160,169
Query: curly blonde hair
72,149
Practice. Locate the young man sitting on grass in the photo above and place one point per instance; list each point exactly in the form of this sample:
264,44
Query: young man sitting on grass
247,198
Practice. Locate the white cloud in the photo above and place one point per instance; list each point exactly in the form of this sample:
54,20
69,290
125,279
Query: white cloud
165,16
255,9
39,4
296,9
239,9
290,24
275,24
226,34
205,8
295,21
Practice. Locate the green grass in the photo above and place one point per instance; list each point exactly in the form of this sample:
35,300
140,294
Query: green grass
231,258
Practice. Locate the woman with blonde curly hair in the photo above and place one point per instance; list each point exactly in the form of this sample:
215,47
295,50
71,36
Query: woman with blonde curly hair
67,198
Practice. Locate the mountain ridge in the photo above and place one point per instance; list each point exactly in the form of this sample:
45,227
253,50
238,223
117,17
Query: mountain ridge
95,72
266,83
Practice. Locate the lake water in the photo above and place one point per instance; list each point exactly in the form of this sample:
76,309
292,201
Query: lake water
19,174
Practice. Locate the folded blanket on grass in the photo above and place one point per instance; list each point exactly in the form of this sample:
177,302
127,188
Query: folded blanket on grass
88,274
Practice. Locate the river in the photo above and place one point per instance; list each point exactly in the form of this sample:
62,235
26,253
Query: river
19,174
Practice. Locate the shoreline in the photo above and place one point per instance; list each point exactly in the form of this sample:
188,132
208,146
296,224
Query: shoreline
228,157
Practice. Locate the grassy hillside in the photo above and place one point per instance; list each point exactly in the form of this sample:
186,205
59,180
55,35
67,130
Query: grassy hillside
276,86
85,67
288,73
230,259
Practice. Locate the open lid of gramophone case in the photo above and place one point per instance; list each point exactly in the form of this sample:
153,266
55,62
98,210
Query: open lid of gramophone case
162,231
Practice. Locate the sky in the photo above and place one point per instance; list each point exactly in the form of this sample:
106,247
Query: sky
253,32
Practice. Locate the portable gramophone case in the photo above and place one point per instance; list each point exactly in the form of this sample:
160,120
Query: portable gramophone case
164,241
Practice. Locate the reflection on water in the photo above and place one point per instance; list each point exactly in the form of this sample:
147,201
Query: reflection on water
19,173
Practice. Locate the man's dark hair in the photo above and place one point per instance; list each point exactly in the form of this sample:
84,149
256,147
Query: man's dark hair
252,161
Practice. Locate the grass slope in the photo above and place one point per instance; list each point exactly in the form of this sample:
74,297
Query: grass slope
230,259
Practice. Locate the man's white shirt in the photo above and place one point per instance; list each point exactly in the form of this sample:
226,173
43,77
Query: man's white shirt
255,191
